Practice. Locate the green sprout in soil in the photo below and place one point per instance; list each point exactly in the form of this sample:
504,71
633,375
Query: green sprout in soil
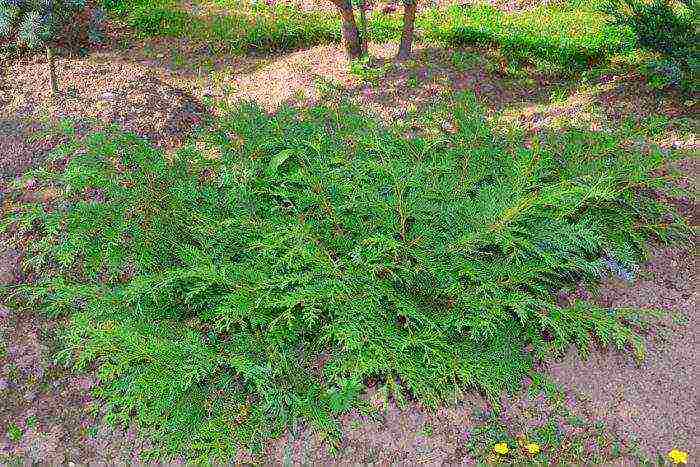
14,433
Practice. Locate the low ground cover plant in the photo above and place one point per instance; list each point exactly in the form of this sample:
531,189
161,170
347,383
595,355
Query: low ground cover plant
261,277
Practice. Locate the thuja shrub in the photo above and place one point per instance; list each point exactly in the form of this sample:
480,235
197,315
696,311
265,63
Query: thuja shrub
264,275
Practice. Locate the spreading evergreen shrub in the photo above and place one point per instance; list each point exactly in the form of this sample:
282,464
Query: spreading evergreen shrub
266,274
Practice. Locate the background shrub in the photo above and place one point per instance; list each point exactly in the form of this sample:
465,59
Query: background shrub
667,27
33,24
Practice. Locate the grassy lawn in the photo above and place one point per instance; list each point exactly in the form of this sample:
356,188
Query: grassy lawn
561,34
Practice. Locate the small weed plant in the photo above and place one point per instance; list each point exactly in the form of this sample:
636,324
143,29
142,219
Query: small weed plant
259,278
368,72
544,425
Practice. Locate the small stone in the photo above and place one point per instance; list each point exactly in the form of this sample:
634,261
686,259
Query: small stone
86,383
108,96
398,113
449,127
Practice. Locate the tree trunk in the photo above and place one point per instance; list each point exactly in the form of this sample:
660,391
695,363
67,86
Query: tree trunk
364,38
351,36
409,20
52,70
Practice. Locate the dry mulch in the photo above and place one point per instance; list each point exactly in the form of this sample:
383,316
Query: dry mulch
159,91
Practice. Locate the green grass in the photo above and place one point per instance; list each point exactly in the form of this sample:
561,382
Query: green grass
207,287
559,34
241,29
564,35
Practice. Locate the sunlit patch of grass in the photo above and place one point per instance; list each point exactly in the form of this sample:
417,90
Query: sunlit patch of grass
562,35
234,26
566,107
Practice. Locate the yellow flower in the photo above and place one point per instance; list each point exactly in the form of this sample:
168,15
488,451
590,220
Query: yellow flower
678,457
532,448
501,448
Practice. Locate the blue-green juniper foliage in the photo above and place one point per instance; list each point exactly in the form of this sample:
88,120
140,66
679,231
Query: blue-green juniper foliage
33,24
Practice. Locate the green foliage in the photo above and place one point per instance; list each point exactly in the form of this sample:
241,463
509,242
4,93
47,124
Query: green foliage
667,27
33,23
260,277
280,27
241,29
559,34
14,433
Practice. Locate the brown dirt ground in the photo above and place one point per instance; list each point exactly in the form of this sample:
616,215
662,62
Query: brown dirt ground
159,91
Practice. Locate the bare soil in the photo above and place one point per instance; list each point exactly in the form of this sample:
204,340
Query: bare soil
162,91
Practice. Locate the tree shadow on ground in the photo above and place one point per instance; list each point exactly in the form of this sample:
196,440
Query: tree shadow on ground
17,150
522,96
